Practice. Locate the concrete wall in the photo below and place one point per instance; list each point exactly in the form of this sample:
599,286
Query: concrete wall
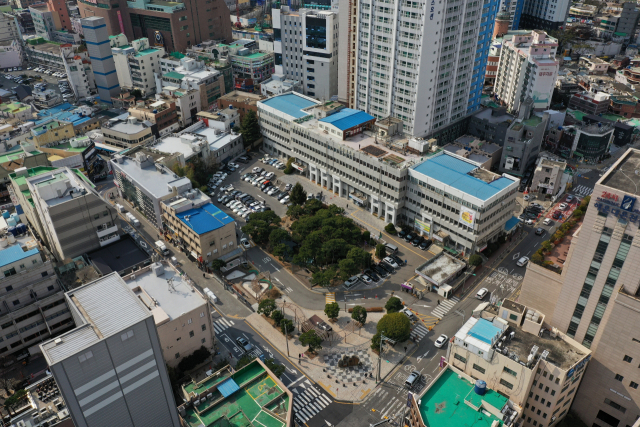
540,288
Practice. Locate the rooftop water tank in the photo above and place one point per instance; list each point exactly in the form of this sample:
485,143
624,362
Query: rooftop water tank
11,222
6,214
21,229
11,230
15,217
11,238
480,387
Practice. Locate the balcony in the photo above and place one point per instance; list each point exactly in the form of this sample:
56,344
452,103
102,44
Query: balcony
104,241
103,230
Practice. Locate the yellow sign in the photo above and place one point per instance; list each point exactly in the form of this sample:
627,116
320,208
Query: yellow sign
467,216
424,226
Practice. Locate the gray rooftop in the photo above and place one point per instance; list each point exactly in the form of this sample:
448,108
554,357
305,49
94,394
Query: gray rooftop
494,116
150,178
106,306
624,174
172,301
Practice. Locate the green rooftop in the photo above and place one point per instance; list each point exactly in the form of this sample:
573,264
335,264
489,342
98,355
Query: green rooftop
67,147
533,121
146,52
9,157
49,125
257,402
13,107
255,55
452,401
173,75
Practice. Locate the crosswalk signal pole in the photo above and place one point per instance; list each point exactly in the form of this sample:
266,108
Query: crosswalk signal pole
380,357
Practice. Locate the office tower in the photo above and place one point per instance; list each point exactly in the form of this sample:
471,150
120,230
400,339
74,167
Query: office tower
347,39
110,369
527,69
426,69
306,49
62,14
74,218
104,68
595,298
544,14
514,9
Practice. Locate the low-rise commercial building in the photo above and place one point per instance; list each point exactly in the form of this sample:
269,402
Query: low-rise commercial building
590,103
589,142
16,110
224,120
43,54
187,102
241,101
51,131
519,355
278,84
547,178
145,183
161,113
47,407
113,352
200,228
73,216
127,131
136,63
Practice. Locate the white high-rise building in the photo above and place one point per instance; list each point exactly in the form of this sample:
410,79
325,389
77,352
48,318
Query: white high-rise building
306,49
544,14
421,61
527,68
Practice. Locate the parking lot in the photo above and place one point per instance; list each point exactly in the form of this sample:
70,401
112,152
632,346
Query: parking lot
50,81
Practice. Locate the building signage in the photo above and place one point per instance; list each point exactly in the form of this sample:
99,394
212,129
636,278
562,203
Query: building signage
423,226
409,396
467,216
625,209
433,6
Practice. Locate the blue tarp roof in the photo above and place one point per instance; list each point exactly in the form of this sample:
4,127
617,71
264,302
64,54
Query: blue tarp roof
454,172
290,104
14,253
484,331
511,223
204,219
228,387
61,112
348,118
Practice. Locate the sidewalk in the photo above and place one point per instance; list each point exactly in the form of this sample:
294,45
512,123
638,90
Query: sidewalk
351,384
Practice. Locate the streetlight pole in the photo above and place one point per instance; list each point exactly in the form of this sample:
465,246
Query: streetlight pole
380,357
286,330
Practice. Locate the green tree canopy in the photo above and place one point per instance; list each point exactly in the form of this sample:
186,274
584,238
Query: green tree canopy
381,251
295,211
298,195
332,310
260,226
324,278
250,128
277,236
277,316
275,367
395,326
391,229
266,306
475,260
360,257
217,264
310,339
394,305
286,326
312,206
359,314
347,268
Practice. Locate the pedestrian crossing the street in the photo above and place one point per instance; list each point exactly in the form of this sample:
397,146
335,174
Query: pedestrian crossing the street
582,190
444,307
307,401
221,324
329,297
419,332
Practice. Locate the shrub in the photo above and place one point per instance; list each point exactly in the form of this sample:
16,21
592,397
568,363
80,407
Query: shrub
359,314
194,359
366,236
277,316
369,310
375,342
475,260
273,293
286,326
266,306
394,305
381,251
391,229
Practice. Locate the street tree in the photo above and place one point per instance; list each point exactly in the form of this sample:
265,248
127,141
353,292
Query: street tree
217,264
275,367
394,305
332,310
266,306
359,314
311,340
250,128
347,268
381,251
298,196
395,326
277,316
286,326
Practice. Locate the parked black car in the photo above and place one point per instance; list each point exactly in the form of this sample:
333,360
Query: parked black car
409,237
402,234
380,271
372,274
425,245
416,241
386,267
397,259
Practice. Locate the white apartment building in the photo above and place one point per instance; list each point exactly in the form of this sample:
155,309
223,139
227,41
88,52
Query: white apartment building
77,65
43,21
421,61
527,68
545,15
136,64
188,103
306,49
521,356
10,40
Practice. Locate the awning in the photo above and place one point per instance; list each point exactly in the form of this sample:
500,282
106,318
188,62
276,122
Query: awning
228,387
406,286
511,223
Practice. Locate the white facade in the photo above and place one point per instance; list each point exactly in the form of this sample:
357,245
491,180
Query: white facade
307,49
421,61
136,63
79,72
545,14
527,68
11,54
43,21
187,101
279,84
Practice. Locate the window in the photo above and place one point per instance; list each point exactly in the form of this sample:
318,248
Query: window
506,384
513,316
86,356
126,335
191,334
460,358
615,405
203,340
204,327
8,288
627,359
177,355
619,377
509,371
189,321
478,368
16,302
633,385
50,288
202,314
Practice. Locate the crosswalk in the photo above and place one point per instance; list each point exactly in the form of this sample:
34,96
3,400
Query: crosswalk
221,324
392,408
329,297
582,190
307,401
419,332
444,307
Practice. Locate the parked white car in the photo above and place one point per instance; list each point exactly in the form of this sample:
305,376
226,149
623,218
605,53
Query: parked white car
285,200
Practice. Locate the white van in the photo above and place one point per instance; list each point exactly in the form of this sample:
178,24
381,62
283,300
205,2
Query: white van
391,249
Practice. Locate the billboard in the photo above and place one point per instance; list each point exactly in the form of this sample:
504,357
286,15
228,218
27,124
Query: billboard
423,226
467,216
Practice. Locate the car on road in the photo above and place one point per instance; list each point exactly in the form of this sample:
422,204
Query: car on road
563,206
547,221
482,293
569,198
522,261
529,222
441,341
245,242
412,379
539,231
351,281
391,262
556,215
244,344
408,313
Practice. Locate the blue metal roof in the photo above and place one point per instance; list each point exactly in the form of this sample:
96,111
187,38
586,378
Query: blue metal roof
228,387
14,253
204,219
484,331
511,223
454,172
348,118
290,104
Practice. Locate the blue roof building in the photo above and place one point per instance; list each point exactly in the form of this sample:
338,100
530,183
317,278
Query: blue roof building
205,218
291,104
13,254
348,118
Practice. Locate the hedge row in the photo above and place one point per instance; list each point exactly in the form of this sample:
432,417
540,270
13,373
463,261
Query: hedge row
370,310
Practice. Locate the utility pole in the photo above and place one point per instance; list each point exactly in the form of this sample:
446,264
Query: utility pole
286,330
382,338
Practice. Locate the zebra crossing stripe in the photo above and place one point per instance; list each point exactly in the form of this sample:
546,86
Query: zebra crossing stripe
329,297
325,399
